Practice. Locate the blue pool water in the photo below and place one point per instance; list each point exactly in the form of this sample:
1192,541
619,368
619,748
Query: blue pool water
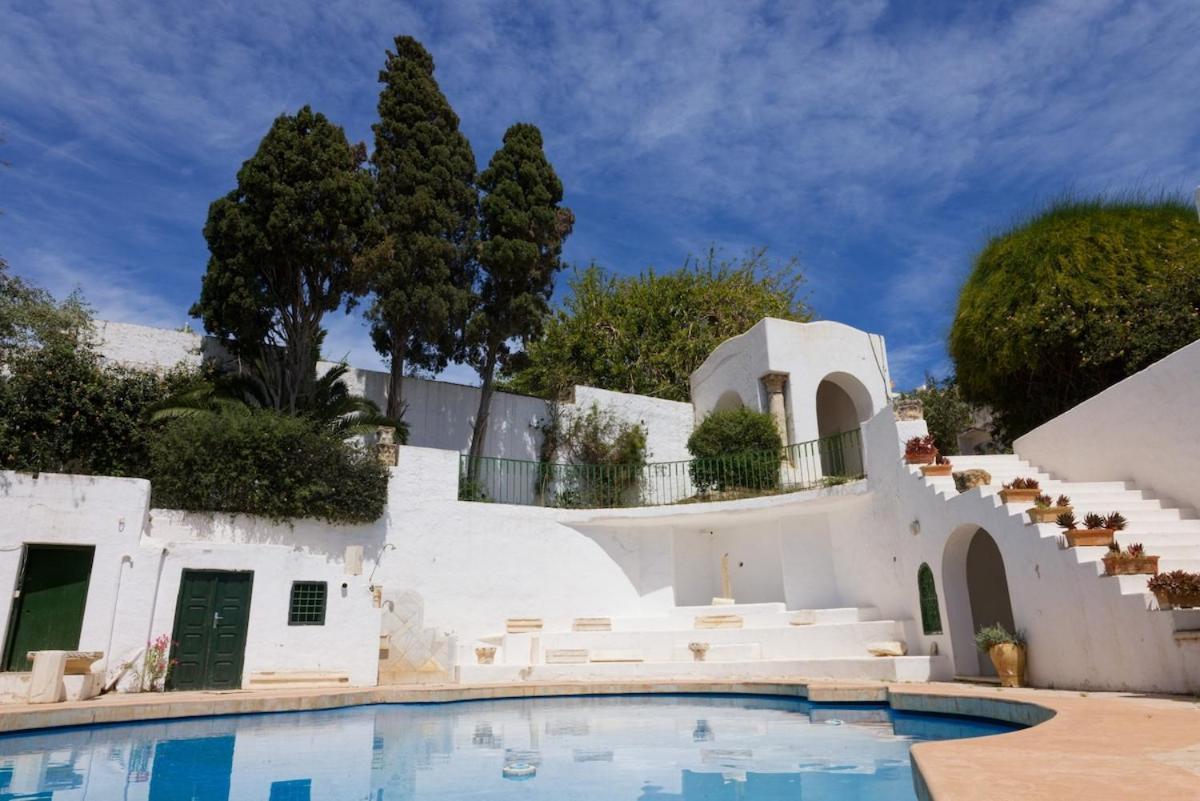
640,748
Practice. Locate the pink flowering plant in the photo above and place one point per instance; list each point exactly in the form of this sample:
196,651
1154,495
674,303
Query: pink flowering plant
151,671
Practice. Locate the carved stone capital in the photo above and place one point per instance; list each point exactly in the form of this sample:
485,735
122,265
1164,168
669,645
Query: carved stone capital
774,382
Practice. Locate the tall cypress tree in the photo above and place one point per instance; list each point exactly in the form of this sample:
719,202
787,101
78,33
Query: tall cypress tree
427,208
521,240
283,245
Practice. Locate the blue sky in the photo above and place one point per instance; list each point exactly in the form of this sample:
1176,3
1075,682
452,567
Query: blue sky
879,142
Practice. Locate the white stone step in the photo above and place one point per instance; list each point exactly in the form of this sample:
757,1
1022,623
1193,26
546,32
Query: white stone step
754,616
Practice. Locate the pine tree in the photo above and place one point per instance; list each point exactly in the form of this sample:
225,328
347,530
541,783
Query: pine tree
283,246
521,240
427,209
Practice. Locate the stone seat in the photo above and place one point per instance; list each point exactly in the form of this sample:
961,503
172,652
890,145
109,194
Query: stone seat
46,684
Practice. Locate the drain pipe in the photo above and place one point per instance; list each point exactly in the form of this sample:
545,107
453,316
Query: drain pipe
162,558
126,559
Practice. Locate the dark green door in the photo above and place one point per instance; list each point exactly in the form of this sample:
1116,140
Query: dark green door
211,618
47,612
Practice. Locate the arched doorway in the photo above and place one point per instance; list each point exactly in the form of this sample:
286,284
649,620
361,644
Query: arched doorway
843,404
975,584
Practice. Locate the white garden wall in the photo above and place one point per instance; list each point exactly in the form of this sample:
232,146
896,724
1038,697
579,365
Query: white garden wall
1142,429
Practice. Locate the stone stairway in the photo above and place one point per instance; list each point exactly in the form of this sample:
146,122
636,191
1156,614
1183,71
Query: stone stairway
738,640
1170,532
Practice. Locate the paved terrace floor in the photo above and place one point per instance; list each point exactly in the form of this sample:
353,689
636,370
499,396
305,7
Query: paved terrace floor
1095,746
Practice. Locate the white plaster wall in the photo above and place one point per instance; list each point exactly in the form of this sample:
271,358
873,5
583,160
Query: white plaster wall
1142,429
668,423
146,348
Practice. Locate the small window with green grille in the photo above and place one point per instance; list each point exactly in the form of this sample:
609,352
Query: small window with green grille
308,604
931,616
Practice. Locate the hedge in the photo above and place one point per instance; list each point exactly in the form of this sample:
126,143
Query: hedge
735,448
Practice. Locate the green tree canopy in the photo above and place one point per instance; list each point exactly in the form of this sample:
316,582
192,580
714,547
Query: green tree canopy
31,318
521,240
1077,298
283,245
646,333
421,275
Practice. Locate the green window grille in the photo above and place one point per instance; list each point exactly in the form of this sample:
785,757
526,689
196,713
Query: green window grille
308,604
931,616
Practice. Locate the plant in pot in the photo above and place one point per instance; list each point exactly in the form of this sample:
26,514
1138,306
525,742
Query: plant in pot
1007,652
1176,589
941,467
1019,490
920,450
1130,561
1045,510
1095,529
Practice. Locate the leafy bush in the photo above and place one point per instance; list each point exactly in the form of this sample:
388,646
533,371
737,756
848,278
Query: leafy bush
989,636
946,413
735,448
62,411
606,457
264,463
1077,298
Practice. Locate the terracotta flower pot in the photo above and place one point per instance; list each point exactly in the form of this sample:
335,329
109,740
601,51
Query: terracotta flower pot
1088,536
936,469
1168,600
1117,565
1019,495
919,458
1046,514
1009,661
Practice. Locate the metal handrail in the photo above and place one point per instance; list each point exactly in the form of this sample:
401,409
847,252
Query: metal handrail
803,465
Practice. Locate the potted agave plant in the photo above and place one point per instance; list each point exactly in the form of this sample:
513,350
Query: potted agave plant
1007,652
1045,510
1019,490
1097,529
941,467
920,450
1132,561
1176,589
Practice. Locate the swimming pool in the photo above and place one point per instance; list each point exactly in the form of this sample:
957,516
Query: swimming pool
632,748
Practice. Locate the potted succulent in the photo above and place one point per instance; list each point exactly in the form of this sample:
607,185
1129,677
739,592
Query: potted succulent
941,467
920,450
1097,529
1178,588
1019,490
1045,510
1132,561
1007,652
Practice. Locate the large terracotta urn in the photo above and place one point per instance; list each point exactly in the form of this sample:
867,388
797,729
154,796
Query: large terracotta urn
1009,661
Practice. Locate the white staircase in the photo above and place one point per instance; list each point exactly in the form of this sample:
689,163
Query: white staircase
1168,531
742,640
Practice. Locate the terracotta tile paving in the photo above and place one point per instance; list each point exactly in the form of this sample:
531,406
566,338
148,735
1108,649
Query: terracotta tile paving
1093,746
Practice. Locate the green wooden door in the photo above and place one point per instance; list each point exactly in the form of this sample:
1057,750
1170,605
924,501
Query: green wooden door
211,619
47,612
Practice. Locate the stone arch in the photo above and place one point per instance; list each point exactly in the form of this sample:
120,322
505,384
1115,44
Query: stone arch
931,615
975,584
843,404
730,399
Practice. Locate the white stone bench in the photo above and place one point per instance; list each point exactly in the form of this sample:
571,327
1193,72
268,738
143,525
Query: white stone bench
47,684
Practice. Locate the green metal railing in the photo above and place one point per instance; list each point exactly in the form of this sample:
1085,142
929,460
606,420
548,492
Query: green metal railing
804,465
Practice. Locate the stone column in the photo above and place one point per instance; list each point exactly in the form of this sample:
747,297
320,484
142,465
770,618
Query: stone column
776,405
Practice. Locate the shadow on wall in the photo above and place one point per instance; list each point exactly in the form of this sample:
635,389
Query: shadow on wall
975,584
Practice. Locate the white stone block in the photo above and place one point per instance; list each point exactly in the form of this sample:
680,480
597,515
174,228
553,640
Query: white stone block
46,682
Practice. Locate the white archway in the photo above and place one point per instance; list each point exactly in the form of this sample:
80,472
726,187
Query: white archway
975,584
842,404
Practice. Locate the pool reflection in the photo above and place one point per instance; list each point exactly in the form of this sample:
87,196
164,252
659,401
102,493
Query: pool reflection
689,748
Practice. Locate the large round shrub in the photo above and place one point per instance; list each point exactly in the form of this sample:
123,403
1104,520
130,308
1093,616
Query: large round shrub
1077,298
736,448
264,463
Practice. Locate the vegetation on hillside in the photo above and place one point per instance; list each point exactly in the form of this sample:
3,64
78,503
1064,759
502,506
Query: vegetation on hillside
646,333
1073,300
946,413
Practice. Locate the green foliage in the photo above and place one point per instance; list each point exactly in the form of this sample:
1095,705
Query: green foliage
31,318
735,448
946,413
1077,298
608,454
646,334
523,229
989,636
264,463
62,412
283,245
421,274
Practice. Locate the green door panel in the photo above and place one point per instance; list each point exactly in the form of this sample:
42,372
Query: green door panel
212,616
47,613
